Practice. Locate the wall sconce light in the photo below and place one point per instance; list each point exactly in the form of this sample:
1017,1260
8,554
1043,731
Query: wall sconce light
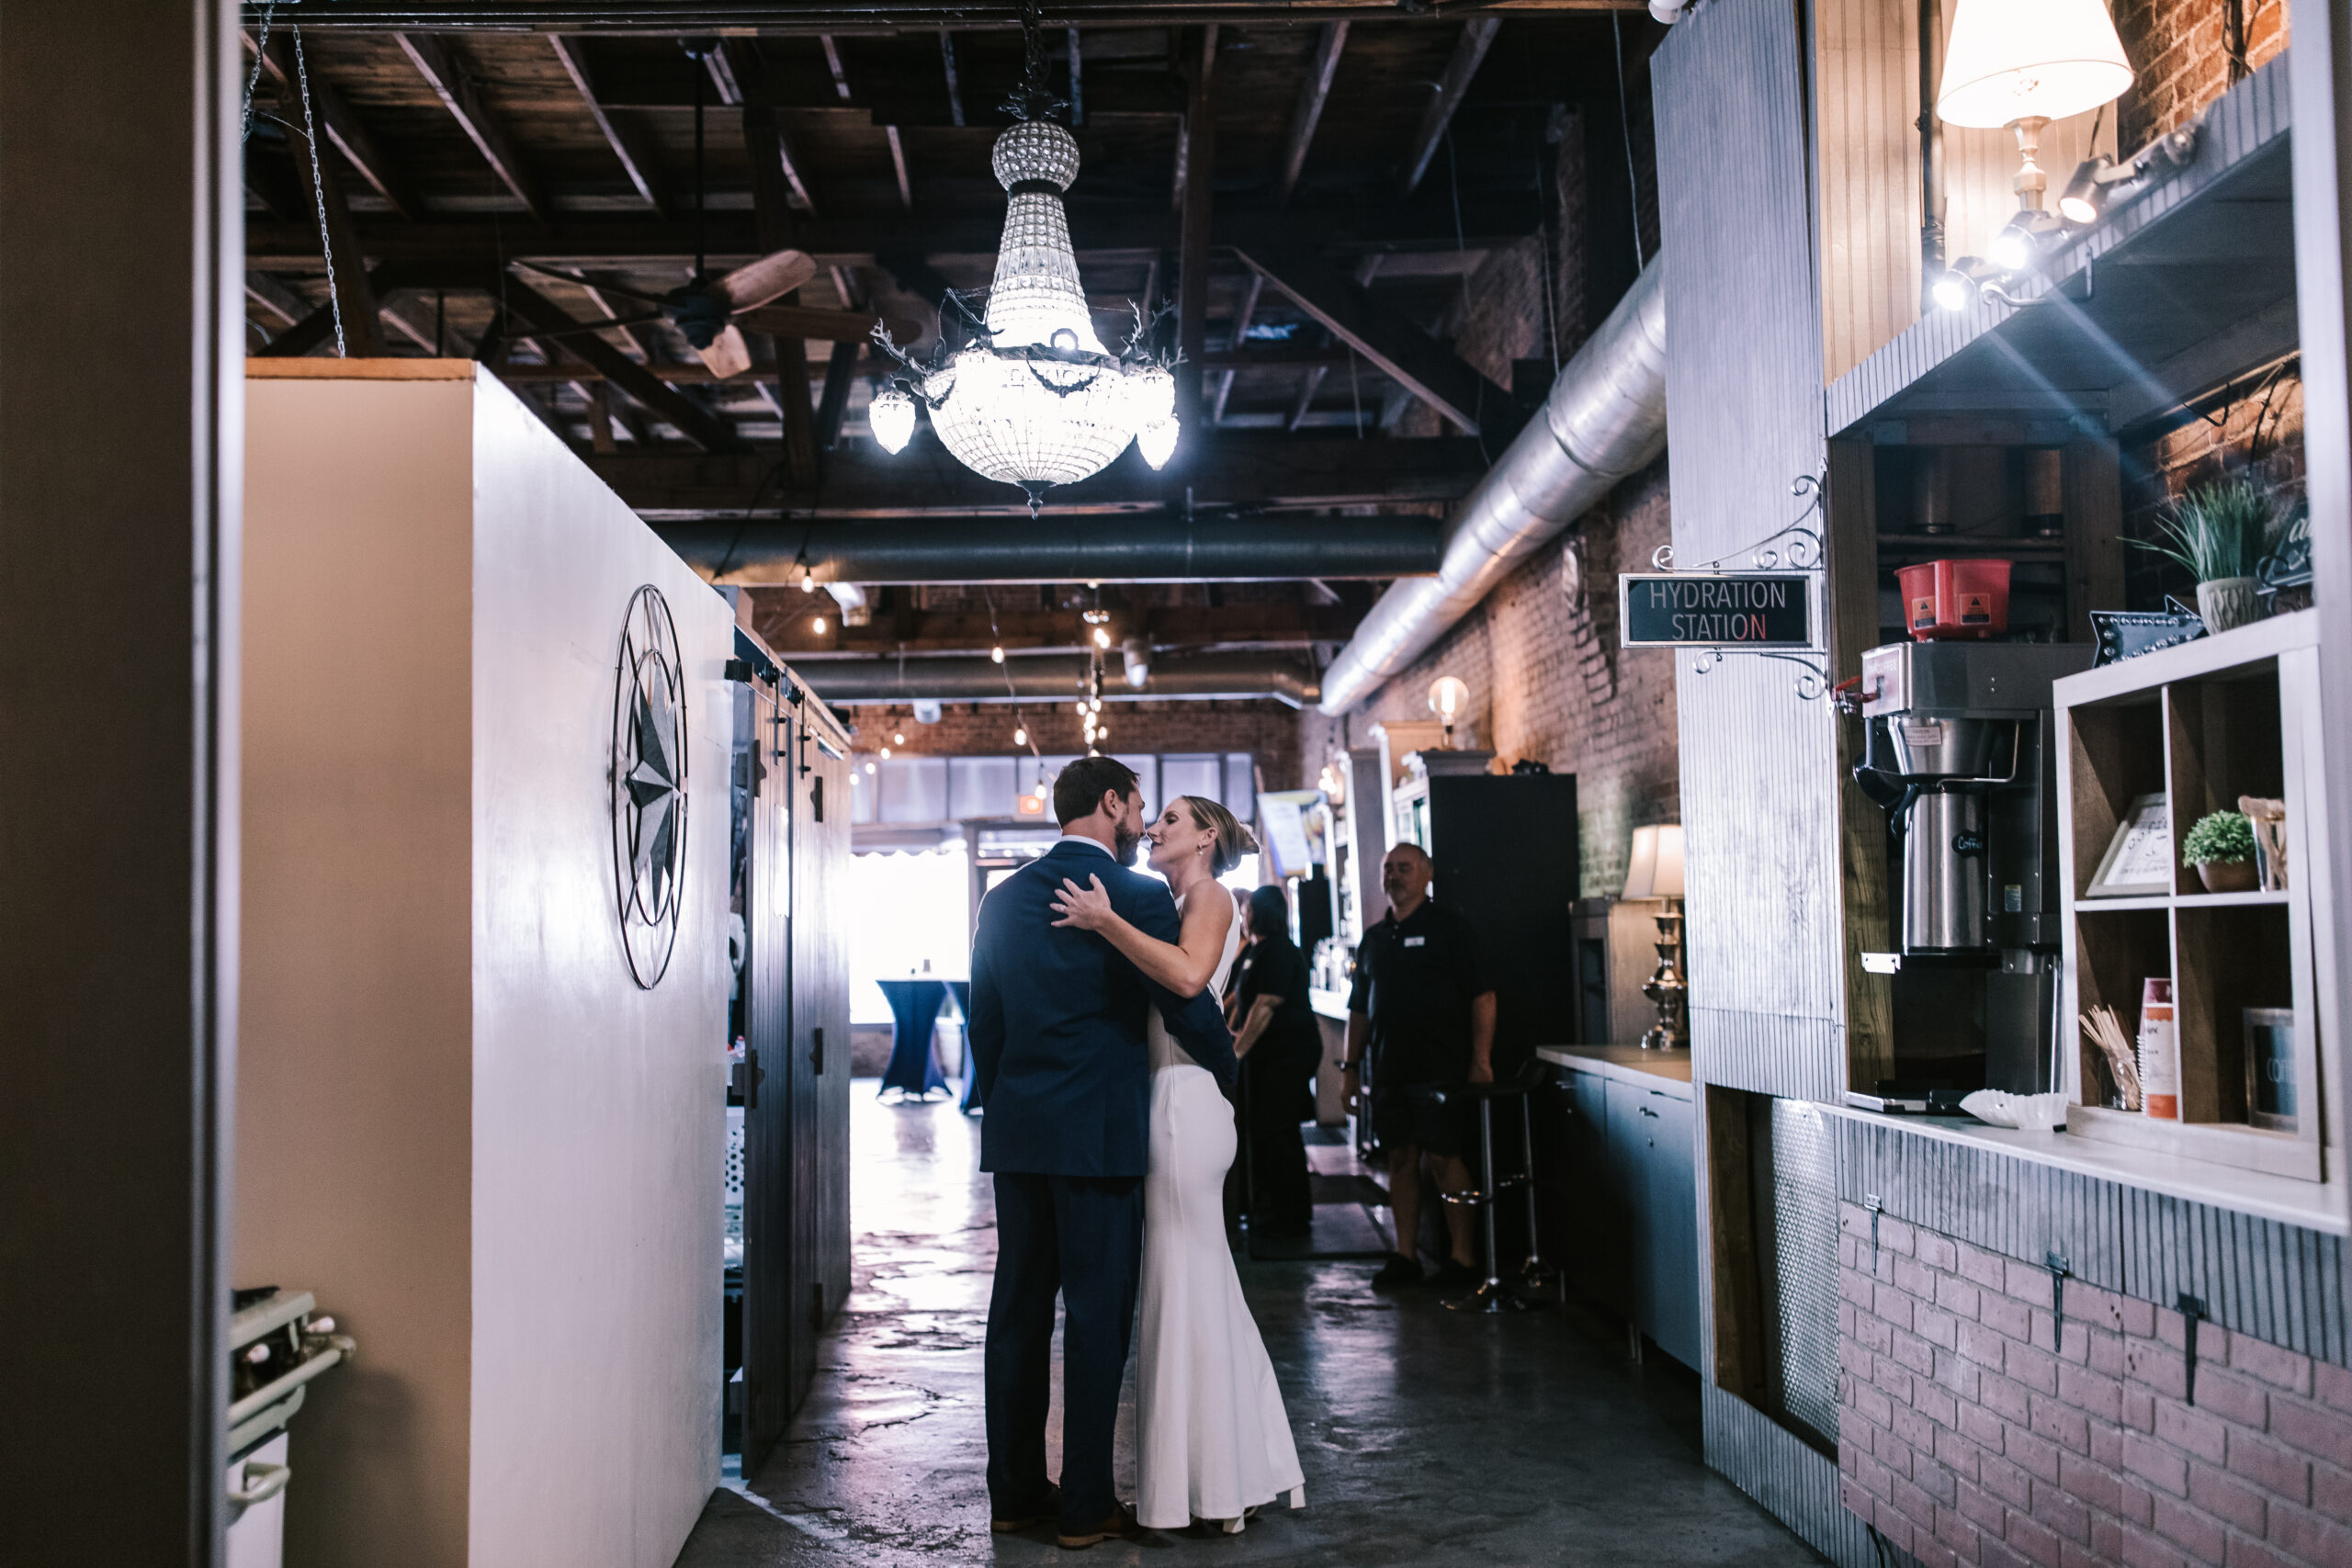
2023,64
1448,697
1958,285
1656,872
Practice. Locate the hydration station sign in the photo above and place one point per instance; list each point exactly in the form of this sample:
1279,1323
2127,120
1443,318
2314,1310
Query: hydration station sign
1725,610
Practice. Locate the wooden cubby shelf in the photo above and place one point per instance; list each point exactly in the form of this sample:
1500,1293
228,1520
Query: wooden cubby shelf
2201,725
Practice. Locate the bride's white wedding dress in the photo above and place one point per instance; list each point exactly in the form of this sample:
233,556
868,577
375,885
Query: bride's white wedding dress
1212,1439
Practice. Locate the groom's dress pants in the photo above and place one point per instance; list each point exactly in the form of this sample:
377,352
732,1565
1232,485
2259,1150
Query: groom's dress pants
1082,1236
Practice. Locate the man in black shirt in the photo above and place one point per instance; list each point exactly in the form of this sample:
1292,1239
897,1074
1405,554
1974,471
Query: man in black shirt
1424,1007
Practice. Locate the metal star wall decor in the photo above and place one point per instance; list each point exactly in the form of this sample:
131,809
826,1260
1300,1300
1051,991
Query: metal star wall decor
649,785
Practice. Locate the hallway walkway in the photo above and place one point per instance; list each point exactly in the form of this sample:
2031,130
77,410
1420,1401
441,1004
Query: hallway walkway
1428,1438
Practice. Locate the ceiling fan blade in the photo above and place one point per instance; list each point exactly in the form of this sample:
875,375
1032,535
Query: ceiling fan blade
837,326
755,282
726,355
622,289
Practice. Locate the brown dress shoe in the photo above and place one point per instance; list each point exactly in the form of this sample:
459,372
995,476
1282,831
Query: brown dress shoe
1121,1522
1048,1505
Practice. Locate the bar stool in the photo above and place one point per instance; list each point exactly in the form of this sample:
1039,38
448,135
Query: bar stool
1497,1295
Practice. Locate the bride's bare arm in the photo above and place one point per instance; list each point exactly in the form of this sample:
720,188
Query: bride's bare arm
1185,967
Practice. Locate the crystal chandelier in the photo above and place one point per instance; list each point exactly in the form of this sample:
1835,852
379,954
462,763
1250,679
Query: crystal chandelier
1033,399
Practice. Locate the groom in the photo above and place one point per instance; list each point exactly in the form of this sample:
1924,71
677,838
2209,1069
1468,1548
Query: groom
1056,1036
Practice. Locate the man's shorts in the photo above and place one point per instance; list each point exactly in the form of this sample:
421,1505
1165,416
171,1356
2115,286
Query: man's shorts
1432,1118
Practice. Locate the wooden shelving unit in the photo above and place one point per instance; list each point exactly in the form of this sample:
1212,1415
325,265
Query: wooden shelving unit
2201,723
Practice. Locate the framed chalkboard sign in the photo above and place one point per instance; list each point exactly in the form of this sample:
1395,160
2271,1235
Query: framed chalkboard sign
1730,610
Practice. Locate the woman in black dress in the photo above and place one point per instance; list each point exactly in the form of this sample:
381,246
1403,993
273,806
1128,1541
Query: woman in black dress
1279,1047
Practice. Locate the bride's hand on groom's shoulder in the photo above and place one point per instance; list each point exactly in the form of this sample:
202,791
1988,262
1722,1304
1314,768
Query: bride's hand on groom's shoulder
1087,908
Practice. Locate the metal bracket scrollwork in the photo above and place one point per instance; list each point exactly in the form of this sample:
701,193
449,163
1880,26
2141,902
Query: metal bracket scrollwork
1804,552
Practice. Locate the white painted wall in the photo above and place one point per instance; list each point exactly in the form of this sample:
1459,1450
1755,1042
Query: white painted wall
599,1109
459,1121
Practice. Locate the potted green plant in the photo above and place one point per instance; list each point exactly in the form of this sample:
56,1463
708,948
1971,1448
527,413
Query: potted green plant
2218,532
2221,846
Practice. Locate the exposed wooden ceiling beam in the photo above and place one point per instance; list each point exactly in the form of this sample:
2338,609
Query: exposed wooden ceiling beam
773,183
1469,53
277,298
1309,112
1187,626
797,18
351,293
692,421
1486,222
1269,356
899,165
627,144
1430,370
1241,320
458,93
1307,388
1237,468
343,126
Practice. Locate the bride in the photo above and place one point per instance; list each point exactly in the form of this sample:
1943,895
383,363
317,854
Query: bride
1212,1443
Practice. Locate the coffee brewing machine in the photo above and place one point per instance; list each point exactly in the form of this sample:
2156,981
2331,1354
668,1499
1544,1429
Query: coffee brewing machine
1960,756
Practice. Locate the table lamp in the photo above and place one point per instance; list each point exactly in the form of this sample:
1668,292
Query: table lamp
1656,872
2023,64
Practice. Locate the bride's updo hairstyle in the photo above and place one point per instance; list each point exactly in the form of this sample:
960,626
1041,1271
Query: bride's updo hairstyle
1233,840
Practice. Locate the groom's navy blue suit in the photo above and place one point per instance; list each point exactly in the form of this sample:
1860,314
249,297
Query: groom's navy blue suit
1064,1085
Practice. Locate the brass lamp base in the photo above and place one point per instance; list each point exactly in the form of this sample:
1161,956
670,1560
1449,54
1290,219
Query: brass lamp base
1666,989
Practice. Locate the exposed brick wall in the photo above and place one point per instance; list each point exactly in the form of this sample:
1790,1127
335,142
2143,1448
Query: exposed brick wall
1265,729
2254,431
1969,1433
2180,59
1527,666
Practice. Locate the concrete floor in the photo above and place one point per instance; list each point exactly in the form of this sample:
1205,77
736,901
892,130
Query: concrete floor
1427,1436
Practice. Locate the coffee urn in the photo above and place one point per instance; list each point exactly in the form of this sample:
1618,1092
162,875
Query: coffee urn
1961,754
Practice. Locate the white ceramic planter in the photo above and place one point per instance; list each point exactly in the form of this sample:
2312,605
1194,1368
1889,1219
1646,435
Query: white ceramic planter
2227,602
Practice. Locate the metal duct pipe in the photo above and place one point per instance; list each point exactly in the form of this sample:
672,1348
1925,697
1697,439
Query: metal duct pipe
1052,678
1106,549
1605,419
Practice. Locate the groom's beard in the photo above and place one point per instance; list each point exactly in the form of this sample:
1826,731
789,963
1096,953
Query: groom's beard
1124,844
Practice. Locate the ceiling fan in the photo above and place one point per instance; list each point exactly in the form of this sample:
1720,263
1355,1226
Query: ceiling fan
705,308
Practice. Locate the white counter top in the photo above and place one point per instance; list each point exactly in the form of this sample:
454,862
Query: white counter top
1630,1062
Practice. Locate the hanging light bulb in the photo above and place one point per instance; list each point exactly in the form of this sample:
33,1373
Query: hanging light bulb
996,654
1020,735
886,754
1081,708
1101,637
898,738
1157,441
808,579
891,417
1094,706
1101,732
817,625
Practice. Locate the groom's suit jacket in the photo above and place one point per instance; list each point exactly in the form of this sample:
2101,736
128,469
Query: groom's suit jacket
1058,1022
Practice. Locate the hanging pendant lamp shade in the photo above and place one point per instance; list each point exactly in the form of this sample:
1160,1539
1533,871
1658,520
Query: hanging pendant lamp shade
2012,60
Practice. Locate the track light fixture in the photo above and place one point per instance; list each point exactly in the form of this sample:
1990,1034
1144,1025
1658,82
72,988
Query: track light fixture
1962,282
2097,181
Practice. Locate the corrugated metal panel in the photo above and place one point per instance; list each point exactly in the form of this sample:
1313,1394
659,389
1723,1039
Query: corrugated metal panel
1805,1249
1792,1057
2278,1283
1744,419
1795,1483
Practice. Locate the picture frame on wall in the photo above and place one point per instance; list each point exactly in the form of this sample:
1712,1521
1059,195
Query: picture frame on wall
2138,862
2271,1100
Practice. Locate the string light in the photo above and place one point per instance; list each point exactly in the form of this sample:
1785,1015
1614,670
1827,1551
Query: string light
1020,735
808,579
996,654
1101,637
886,754
817,625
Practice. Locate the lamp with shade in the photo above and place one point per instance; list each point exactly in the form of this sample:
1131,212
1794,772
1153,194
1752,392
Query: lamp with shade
2020,64
1656,872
